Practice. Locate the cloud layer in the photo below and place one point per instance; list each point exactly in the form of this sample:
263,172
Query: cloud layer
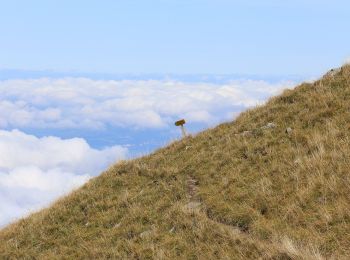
34,171
96,104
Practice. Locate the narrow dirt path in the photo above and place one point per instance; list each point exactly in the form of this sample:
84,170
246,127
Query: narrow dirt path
192,188
196,208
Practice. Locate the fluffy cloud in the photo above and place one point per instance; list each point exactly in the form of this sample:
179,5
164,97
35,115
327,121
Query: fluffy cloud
34,171
96,104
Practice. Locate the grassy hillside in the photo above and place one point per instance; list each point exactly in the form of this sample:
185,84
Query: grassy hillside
247,189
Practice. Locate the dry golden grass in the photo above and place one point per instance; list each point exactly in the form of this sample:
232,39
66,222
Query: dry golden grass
264,194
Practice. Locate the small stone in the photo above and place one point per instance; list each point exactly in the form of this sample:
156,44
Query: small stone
117,225
297,161
192,182
172,230
225,181
246,133
271,125
193,205
289,130
146,234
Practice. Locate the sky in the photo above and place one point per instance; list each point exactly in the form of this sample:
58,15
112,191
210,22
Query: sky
175,36
84,84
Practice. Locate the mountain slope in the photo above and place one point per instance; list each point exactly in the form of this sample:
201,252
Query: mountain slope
273,184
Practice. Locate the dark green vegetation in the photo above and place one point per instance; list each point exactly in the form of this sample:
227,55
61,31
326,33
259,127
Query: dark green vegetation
243,190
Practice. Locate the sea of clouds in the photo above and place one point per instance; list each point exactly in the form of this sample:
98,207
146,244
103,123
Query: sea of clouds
95,104
34,171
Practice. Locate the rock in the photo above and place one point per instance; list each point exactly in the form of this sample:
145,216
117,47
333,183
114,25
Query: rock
297,161
172,230
225,181
117,225
146,234
289,130
188,147
193,205
268,126
246,133
271,125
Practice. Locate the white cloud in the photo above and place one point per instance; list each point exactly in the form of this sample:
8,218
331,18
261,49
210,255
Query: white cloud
35,171
95,104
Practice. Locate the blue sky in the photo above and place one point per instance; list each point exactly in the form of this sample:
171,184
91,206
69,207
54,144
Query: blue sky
84,84
175,36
